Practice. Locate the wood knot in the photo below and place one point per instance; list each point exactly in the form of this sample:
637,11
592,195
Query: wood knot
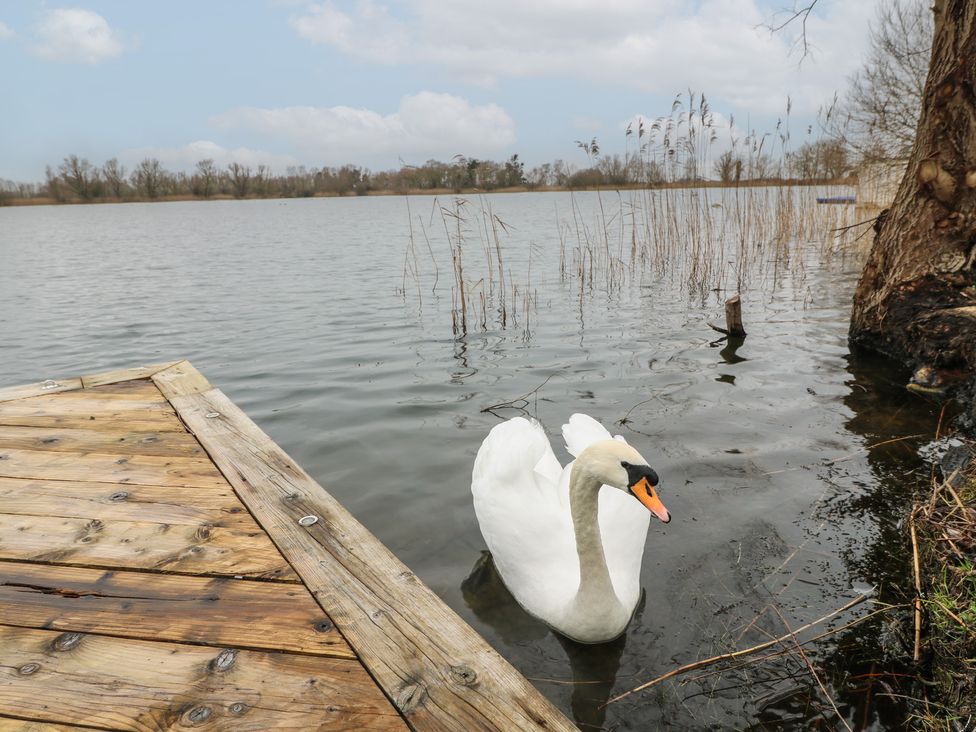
28,668
122,461
238,708
224,661
50,440
410,697
463,675
322,626
119,496
938,179
66,641
197,716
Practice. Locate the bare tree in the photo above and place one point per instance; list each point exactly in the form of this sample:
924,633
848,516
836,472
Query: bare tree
80,176
821,159
114,175
728,167
206,178
240,179
884,100
148,177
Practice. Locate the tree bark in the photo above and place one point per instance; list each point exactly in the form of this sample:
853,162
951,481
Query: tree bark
916,299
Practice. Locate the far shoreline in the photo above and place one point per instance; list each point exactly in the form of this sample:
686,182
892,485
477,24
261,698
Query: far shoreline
763,183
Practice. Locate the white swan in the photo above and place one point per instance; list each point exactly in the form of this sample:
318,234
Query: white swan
569,552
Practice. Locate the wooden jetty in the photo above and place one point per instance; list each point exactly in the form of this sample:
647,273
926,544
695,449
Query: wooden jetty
160,569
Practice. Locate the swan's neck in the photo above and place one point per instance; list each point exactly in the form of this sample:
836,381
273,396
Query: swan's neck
595,596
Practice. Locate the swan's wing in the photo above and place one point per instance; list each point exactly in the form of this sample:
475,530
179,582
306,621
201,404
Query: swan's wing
527,530
582,431
623,520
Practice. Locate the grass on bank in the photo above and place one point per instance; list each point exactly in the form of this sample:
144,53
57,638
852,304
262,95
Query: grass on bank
945,526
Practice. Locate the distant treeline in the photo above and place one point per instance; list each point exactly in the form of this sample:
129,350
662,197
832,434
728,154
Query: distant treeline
78,180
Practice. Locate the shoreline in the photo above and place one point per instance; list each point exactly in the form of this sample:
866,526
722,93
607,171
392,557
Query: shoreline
674,185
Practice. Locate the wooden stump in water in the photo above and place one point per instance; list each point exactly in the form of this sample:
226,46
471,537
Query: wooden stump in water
733,318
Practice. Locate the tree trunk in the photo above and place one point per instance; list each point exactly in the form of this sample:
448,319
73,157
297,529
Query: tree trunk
916,299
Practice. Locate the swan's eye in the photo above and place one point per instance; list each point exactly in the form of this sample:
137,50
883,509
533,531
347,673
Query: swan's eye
625,465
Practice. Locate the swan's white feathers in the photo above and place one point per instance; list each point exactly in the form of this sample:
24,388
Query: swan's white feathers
521,498
514,484
582,431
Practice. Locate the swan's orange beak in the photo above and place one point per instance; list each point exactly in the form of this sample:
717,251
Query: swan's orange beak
644,492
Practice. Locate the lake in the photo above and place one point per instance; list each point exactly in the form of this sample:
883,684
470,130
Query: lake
330,322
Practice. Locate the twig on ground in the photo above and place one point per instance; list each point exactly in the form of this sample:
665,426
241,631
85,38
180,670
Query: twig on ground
955,496
918,591
951,615
938,487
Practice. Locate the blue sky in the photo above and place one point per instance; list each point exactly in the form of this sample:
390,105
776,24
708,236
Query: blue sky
377,82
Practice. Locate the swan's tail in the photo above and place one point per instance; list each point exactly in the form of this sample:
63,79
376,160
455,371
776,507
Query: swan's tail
582,431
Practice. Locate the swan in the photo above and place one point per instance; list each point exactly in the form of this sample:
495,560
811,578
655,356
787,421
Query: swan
567,545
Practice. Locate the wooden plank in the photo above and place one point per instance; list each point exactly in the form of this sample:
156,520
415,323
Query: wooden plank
118,442
50,386
142,686
239,613
85,402
113,421
8,724
89,413
124,502
181,379
145,391
106,468
437,670
142,387
121,375
188,549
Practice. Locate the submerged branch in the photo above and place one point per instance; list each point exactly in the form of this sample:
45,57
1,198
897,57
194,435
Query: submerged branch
737,654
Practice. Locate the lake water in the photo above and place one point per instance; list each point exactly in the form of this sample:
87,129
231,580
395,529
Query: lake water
301,311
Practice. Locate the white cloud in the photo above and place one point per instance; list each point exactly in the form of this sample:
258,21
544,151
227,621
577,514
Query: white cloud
718,46
6,32
425,125
187,156
76,35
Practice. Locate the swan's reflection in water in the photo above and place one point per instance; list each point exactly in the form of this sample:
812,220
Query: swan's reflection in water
594,667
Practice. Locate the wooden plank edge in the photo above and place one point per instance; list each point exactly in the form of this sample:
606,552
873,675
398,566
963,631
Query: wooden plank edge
180,379
48,386
129,374
470,684
54,386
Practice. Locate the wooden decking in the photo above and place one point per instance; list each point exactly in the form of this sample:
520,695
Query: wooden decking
154,575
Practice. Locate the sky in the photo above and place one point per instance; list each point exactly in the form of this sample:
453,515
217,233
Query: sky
383,83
